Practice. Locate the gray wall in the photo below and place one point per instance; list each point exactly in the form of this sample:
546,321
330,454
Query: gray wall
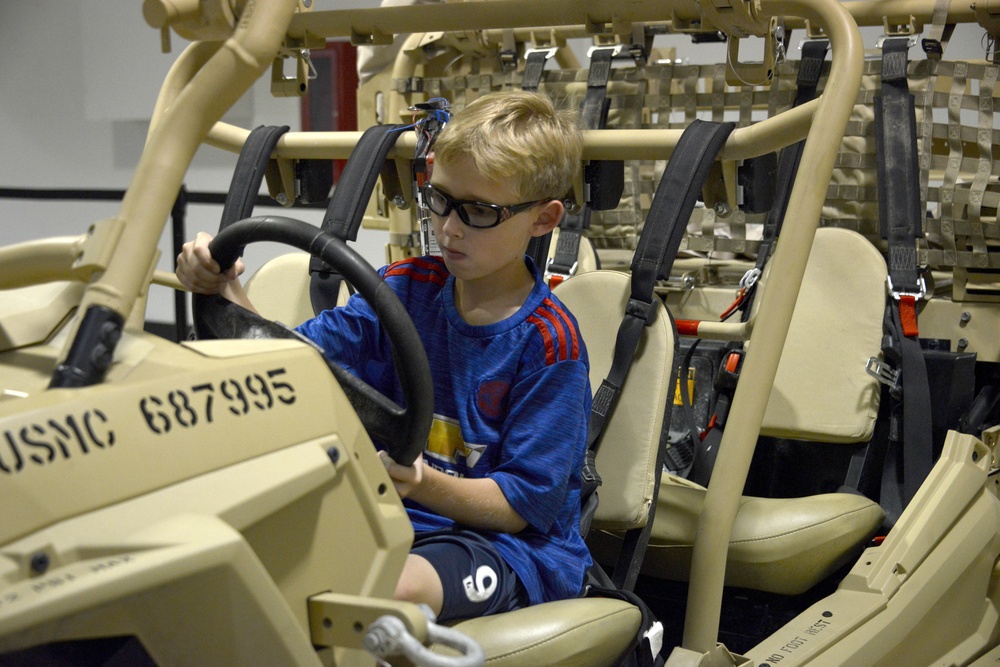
78,80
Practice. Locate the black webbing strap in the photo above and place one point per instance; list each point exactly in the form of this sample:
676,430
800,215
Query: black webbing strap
898,175
657,247
594,115
901,223
810,70
251,166
347,206
595,105
249,173
531,79
354,188
917,452
534,65
642,652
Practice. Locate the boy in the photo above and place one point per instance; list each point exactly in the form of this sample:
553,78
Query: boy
495,498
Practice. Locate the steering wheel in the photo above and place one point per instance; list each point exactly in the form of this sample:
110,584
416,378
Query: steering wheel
403,431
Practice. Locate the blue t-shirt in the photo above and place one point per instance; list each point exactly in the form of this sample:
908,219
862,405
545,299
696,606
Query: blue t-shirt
511,402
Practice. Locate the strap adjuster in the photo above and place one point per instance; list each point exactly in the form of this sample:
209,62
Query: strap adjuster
558,272
885,374
549,52
615,49
641,310
911,40
898,294
750,278
881,371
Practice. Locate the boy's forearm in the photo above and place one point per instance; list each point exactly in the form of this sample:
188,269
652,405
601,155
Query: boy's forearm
234,291
476,503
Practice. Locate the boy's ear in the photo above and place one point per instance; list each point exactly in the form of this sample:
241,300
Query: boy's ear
548,218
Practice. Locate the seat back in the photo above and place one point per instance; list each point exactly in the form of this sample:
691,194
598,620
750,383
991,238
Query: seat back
821,391
627,458
279,290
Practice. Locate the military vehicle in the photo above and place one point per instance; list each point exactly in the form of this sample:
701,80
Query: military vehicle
808,425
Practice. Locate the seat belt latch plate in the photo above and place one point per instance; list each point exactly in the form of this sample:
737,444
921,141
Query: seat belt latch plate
882,372
556,274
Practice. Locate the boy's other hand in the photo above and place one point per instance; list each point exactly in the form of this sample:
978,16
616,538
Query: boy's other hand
404,478
199,272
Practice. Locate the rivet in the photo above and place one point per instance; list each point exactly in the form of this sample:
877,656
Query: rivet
40,562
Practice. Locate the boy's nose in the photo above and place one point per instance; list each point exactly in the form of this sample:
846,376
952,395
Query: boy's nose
453,225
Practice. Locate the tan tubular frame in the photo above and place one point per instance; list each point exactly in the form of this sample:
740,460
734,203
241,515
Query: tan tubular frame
701,625
183,116
820,122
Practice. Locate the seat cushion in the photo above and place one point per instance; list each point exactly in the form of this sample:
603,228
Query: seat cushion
279,290
778,545
627,457
822,390
586,631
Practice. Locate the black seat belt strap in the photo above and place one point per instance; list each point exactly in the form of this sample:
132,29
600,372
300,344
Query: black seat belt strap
898,178
251,167
657,247
727,375
249,173
810,70
595,105
901,223
534,65
347,206
354,189
807,82
674,200
594,115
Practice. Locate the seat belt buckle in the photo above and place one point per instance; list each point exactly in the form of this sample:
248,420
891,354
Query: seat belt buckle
555,274
907,304
750,278
921,292
729,369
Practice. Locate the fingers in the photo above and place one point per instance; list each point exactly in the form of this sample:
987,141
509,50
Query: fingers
404,478
199,272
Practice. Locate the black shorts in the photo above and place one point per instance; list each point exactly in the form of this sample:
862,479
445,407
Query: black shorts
475,579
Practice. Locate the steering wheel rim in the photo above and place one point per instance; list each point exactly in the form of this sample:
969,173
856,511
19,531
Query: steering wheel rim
403,431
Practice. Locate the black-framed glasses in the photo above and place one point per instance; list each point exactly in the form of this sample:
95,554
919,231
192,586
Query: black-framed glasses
473,213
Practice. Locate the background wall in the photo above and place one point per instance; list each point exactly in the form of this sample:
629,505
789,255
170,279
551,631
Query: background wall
79,79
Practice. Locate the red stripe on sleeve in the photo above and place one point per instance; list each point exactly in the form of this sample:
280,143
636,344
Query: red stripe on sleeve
566,324
550,352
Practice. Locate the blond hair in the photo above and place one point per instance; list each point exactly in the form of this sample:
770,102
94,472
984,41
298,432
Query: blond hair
517,137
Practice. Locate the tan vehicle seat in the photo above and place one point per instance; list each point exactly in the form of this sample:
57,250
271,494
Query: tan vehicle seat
788,545
279,289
